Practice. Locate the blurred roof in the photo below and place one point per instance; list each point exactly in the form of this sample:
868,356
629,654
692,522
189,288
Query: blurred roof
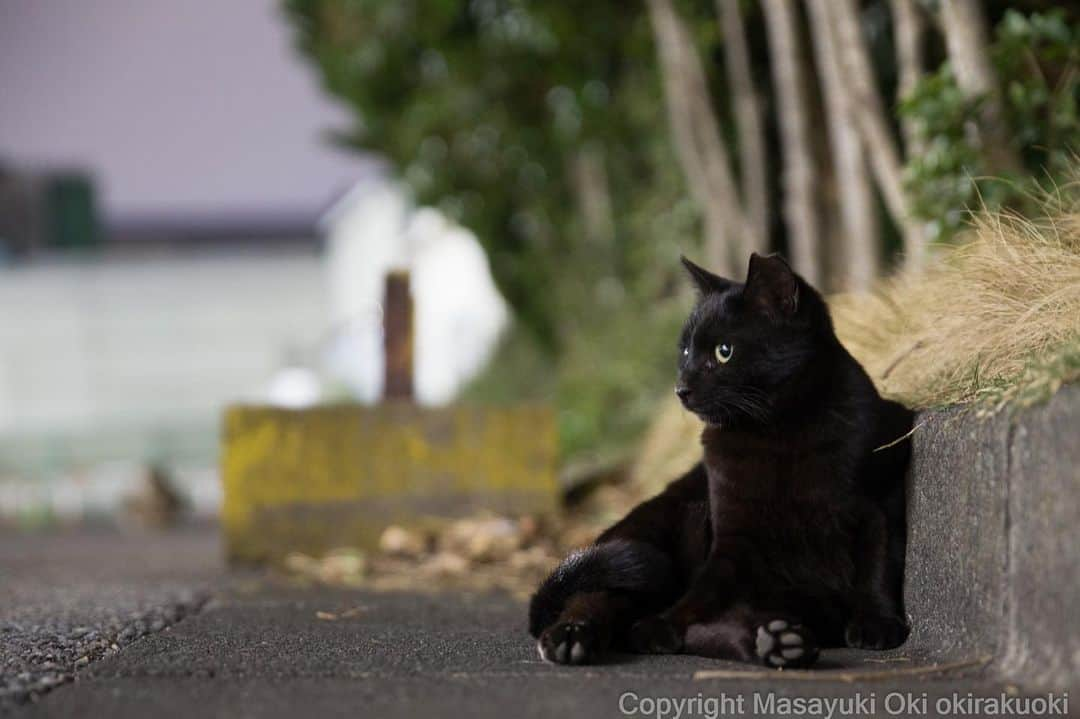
187,113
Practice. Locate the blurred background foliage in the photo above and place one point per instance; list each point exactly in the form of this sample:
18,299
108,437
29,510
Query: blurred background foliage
542,127
1037,58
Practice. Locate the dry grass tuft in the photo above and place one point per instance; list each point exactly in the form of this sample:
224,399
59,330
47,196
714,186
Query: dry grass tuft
670,447
995,319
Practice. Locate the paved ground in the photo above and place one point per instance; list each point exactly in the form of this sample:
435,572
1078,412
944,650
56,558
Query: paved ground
67,600
259,649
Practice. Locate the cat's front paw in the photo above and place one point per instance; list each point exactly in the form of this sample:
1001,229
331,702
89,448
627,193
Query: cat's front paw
782,644
570,643
868,631
656,635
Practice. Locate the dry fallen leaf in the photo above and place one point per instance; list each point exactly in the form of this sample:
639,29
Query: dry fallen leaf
354,612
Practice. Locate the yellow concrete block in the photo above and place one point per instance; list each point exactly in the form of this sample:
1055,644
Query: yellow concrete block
311,480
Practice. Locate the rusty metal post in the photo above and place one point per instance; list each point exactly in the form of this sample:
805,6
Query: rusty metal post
398,337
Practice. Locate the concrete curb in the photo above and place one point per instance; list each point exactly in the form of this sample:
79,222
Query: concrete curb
993,550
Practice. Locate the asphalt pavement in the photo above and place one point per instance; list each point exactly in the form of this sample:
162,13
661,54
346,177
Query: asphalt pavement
236,644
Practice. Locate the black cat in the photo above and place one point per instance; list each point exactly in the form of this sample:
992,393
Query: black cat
788,536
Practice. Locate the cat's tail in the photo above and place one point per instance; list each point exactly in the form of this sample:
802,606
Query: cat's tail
625,566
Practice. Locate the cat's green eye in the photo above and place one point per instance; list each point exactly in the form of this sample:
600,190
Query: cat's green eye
724,352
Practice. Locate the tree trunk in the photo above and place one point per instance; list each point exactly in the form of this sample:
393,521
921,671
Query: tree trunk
800,206
908,28
753,159
858,209
700,148
870,120
969,53
590,182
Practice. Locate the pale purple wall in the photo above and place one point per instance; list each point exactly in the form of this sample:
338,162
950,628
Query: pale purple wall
189,109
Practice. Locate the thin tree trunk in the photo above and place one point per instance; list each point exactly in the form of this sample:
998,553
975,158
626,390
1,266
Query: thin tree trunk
869,115
800,207
700,148
753,158
969,53
909,25
858,210
590,182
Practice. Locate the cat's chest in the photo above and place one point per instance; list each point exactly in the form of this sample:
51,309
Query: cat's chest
809,462
796,496
794,538
792,511
784,517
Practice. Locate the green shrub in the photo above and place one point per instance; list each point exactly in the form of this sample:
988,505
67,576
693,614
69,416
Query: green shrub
1037,59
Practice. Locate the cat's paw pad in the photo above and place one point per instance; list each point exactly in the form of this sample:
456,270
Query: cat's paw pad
782,644
655,635
569,643
875,632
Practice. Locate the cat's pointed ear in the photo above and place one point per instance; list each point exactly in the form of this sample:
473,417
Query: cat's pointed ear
705,281
772,286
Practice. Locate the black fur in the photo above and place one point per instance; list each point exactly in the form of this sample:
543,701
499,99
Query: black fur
634,568
789,535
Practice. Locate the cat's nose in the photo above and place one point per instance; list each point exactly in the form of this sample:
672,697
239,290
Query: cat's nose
682,392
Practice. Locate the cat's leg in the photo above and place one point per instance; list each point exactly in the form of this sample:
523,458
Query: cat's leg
711,591
636,568
748,635
595,595
876,620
